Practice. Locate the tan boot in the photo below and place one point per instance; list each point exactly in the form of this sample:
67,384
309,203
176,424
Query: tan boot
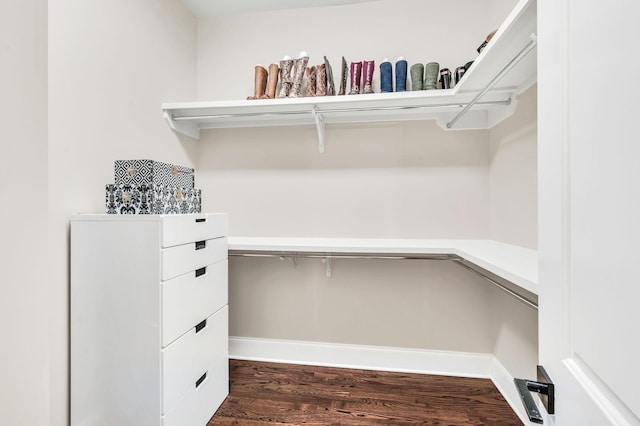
260,82
272,82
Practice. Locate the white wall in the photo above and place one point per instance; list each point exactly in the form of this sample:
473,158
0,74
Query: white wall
24,357
111,65
410,180
420,30
514,175
407,180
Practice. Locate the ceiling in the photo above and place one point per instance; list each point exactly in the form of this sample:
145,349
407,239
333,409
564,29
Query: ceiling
208,8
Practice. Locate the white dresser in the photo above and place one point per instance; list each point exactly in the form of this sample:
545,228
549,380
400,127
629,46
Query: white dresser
149,319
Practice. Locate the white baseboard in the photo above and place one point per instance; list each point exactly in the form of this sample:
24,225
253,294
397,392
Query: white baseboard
504,382
421,361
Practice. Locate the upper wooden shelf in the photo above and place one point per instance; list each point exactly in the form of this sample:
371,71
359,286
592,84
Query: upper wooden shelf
505,68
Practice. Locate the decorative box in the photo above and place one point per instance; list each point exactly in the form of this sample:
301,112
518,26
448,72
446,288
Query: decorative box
152,199
149,172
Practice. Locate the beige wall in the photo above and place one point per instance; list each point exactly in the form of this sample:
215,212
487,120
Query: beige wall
513,175
111,65
24,353
410,180
421,31
385,180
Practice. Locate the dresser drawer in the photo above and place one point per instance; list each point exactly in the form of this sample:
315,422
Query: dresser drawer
182,229
190,257
199,404
189,298
188,358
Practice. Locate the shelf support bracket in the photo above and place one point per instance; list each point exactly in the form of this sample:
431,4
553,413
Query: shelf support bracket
319,127
291,260
327,264
524,52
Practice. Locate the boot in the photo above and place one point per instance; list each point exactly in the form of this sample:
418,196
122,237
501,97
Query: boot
445,78
311,81
272,82
367,75
356,75
343,79
401,74
431,72
331,88
417,71
300,65
260,82
321,80
386,79
286,66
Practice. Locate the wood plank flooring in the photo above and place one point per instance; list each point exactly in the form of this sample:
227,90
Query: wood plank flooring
285,394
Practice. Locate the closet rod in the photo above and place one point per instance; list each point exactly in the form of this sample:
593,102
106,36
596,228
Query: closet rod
462,262
332,111
475,101
401,256
349,255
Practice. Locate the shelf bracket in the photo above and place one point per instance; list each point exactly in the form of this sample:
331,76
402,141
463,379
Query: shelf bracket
327,264
319,127
291,260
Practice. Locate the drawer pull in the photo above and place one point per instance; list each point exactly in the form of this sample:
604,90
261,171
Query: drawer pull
201,325
201,244
201,379
201,220
200,272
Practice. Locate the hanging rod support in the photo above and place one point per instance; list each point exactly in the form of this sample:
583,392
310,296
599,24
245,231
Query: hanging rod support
291,260
327,264
320,128
524,52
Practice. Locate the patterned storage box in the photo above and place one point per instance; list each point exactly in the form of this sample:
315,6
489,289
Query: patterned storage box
149,172
152,199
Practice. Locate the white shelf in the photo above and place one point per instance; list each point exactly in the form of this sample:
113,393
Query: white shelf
515,264
441,105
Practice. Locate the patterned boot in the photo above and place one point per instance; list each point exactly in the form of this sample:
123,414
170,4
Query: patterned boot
311,81
343,78
356,75
300,65
321,80
286,66
367,74
331,88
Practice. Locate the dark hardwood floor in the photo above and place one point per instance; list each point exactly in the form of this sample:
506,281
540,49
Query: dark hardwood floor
285,394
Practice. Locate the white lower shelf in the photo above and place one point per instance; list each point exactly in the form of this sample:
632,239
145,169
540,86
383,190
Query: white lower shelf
514,264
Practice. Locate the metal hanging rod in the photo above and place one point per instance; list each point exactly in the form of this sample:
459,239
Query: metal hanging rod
392,256
475,101
462,262
331,111
349,255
